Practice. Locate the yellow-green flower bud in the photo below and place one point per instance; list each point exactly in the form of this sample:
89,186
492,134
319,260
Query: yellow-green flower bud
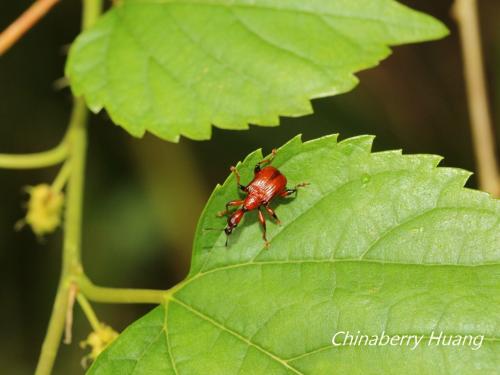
98,341
44,209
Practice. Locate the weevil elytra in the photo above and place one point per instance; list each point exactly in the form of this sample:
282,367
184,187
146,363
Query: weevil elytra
268,183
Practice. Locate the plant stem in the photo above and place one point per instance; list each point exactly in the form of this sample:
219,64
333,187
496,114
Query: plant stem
74,150
62,177
26,21
74,194
71,248
88,311
120,295
55,329
35,160
91,12
71,267
466,15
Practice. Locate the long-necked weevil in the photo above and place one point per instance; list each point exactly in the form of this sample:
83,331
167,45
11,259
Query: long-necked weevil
267,184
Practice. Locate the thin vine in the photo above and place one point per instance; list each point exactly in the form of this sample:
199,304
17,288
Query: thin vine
72,153
467,18
74,148
26,21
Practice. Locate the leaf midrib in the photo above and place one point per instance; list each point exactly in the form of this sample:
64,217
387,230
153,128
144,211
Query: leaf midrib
237,335
275,357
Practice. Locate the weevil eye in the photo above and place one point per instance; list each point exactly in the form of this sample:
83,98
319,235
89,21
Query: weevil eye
228,230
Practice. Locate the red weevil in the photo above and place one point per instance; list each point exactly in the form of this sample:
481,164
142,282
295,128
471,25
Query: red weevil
267,184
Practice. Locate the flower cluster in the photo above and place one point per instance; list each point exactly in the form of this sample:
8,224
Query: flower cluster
98,340
44,209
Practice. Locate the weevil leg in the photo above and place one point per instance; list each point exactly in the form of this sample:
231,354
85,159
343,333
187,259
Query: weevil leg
235,203
237,174
265,161
262,220
271,212
294,190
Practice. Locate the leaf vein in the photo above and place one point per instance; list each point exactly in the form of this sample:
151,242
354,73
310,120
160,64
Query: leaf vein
237,335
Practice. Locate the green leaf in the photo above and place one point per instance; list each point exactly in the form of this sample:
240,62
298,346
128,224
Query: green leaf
379,242
174,67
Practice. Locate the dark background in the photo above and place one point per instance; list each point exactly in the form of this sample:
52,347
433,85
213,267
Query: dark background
143,197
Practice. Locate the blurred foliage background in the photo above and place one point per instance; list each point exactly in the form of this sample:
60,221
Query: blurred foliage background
143,196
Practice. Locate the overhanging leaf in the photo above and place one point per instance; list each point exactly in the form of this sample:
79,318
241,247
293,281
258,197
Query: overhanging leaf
379,242
174,67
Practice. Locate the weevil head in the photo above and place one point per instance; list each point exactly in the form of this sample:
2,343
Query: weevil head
235,218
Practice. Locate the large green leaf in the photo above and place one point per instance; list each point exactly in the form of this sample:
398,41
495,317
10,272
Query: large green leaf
378,242
174,67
